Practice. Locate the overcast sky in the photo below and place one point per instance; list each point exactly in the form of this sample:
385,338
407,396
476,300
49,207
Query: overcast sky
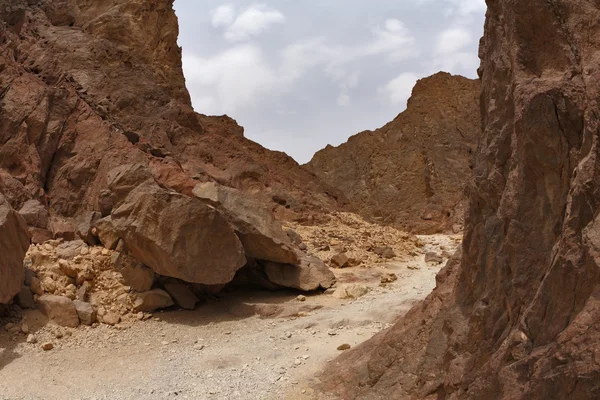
299,75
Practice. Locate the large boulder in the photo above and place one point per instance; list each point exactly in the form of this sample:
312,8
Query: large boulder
178,236
310,274
260,233
14,242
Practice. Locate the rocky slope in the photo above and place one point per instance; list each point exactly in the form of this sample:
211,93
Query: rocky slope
89,86
412,172
518,316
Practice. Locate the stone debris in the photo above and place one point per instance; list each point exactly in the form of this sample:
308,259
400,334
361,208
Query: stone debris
59,309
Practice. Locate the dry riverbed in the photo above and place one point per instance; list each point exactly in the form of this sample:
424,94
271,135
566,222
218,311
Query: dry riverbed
244,345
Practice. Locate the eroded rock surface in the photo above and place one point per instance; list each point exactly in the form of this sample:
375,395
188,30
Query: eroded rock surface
14,242
412,172
518,316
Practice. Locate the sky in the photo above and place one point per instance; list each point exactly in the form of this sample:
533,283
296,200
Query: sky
299,75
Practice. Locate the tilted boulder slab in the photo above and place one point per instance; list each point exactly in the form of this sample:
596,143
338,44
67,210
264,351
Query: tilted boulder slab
260,233
14,242
310,274
519,316
178,236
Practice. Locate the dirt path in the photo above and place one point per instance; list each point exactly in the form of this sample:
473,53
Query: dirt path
254,345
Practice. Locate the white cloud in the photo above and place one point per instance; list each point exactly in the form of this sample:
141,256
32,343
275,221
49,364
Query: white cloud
250,23
235,77
460,7
241,76
400,88
223,15
452,40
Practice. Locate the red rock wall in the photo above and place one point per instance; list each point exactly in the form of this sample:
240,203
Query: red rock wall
89,85
518,317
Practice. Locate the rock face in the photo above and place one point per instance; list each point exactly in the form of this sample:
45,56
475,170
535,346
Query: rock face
518,316
14,241
90,86
412,173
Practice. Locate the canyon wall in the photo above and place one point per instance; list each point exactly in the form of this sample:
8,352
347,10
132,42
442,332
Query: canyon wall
517,316
412,173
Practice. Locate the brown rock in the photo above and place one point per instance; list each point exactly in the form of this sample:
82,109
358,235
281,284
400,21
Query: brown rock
344,346
85,223
152,300
25,298
385,252
68,250
106,233
85,312
516,317
351,291
36,286
14,242
340,260
412,172
182,295
47,346
260,233
135,274
111,318
59,309
40,236
310,274
178,236
431,257
35,214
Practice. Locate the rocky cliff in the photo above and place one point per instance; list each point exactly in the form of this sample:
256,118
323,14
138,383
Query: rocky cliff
517,317
89,86
412,173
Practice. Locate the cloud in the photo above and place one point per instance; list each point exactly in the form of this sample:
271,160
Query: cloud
223,15
251,22
242,75
452,40
235,78
399,89
460,7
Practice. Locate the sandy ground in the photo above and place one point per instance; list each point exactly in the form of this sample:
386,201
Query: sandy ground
252,345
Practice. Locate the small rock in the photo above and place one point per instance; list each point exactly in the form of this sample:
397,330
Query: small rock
340,260
36,286
152,300
31,339
24,328
353,291
60,309
385,252
389,278
85,312
301,298
25,298
47,346
182,295
198,346
111,318
434,258
344,346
